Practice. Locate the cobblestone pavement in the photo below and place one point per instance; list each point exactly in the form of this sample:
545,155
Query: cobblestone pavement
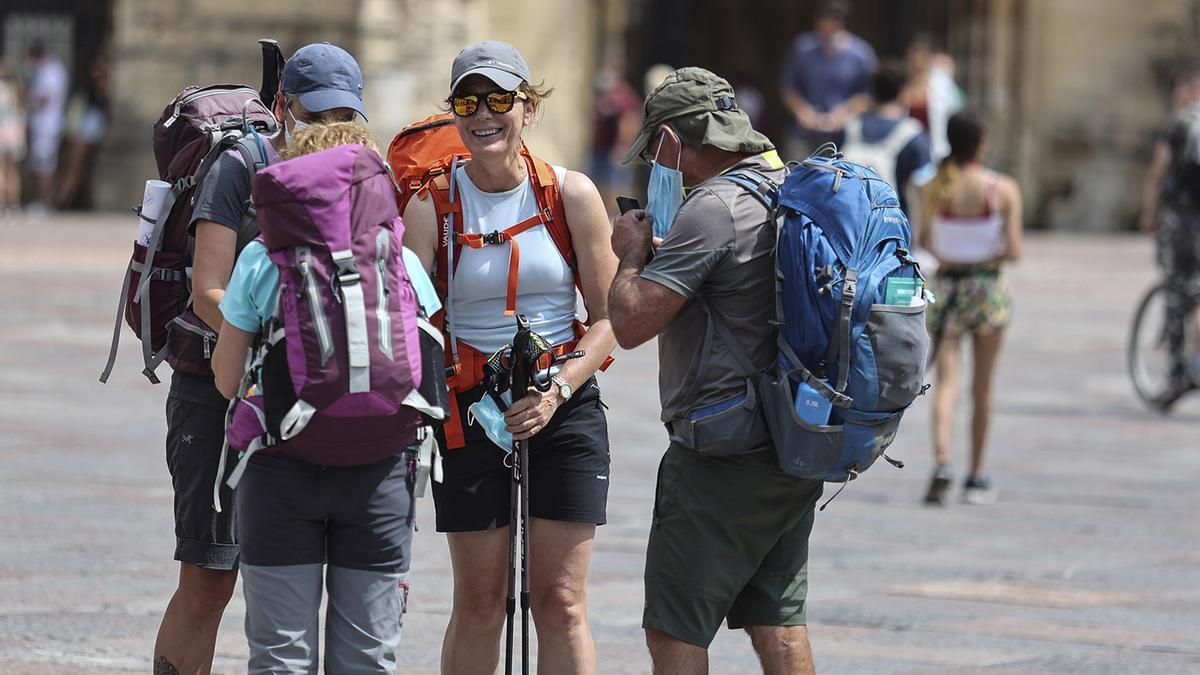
1087,564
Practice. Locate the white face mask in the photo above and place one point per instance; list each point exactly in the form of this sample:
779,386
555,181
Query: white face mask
297,125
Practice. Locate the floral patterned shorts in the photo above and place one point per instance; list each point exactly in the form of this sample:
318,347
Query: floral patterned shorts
969,301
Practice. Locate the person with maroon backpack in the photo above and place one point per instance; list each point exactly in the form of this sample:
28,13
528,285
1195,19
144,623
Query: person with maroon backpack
506,234
320,83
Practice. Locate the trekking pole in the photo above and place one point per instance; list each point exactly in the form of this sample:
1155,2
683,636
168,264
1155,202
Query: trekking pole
497,376
510,606
525,352
529,351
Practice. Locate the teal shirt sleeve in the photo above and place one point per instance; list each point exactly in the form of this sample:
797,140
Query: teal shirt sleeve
426,294
250,297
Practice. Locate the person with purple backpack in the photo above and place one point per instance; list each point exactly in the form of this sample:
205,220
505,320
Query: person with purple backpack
319,83
326,496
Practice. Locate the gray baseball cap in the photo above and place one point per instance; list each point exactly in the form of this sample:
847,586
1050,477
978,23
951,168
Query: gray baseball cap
323,77
495,60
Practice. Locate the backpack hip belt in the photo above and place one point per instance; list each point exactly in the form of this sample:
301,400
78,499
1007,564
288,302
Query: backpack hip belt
465,372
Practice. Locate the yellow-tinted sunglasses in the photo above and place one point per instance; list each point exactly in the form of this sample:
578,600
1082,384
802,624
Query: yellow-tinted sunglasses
499,102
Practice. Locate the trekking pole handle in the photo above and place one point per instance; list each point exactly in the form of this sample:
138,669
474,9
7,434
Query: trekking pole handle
272,70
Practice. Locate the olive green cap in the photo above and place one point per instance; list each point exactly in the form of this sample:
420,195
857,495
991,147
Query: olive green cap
701,108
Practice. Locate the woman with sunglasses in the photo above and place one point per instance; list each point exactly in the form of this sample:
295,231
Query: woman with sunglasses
494,101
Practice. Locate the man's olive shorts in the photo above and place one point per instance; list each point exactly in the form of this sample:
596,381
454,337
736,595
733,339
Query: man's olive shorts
729,541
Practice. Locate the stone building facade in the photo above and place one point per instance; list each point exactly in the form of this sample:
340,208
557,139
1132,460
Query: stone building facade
404,47
1074,90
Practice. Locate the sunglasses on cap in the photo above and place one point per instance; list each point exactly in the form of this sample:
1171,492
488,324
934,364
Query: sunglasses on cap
499,102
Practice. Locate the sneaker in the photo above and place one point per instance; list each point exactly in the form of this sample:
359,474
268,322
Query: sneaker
977,490
938,486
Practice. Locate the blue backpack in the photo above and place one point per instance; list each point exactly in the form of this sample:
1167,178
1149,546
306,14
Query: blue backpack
850,307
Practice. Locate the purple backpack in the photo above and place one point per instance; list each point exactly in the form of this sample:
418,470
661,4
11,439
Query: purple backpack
340,362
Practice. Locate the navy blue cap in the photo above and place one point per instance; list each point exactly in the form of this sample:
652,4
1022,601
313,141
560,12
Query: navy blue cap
323,77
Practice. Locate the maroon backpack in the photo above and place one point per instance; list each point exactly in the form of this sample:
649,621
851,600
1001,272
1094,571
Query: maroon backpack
194,130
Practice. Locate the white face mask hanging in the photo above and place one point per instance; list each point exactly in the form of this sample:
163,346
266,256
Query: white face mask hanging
297,125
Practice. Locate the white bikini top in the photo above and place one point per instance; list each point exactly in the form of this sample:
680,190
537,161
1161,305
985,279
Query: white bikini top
970,239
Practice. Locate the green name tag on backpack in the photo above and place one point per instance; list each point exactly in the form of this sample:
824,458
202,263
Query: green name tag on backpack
900,291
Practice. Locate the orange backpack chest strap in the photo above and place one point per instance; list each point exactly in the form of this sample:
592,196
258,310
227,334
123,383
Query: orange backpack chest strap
498,238
551,213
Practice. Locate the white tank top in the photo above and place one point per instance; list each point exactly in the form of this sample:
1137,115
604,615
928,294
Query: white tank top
545,283
970,239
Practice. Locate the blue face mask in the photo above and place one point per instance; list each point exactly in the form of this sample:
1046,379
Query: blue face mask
487,415
664,194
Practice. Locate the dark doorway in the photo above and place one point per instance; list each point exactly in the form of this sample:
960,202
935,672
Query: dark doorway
77,33
747,41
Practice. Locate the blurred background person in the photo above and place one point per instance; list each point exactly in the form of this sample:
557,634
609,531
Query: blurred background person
654,76
12,142
752,102
825,80
88,129
616,118
971,221
47,99
931,93
1171,209
888,140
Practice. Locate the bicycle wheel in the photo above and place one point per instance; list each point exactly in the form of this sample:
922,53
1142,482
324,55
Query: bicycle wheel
1150,357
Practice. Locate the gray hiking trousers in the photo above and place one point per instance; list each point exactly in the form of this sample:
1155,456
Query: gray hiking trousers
309,529
362,620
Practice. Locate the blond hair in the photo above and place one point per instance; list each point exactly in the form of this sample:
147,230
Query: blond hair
935,195
317,137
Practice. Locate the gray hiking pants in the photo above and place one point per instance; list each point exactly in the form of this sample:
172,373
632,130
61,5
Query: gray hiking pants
310,529
362,621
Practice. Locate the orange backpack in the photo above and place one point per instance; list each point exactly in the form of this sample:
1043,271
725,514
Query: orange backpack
423,157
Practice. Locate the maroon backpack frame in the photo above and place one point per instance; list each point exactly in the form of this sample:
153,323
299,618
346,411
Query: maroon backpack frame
197,126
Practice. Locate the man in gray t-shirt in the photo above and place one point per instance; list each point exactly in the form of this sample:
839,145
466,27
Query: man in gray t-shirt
719,241
729,539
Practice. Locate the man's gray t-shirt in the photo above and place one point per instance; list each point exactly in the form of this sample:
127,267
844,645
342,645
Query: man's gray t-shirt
221,198
720,244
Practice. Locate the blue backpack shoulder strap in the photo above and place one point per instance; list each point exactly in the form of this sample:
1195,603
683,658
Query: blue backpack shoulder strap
765,190
254,157
254,152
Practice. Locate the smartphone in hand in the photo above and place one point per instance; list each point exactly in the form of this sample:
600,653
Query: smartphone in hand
627,204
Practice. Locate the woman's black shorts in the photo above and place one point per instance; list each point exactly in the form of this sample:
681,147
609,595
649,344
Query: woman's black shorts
568,469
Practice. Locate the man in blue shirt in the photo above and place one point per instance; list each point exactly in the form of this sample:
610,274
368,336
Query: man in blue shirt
825,80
